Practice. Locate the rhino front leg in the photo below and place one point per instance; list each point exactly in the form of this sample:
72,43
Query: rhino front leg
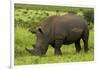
58,44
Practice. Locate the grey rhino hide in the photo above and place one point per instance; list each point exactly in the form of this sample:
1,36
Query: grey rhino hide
59,30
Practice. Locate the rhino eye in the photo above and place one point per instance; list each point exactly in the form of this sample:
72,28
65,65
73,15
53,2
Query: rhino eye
40,30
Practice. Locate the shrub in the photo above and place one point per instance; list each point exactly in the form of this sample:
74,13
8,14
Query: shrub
23,39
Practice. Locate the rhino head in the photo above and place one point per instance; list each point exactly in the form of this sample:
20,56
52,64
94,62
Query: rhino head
41,43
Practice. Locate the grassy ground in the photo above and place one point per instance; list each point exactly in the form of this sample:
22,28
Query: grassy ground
23,39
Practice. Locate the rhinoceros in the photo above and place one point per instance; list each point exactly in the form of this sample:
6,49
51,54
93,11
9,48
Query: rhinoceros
59,30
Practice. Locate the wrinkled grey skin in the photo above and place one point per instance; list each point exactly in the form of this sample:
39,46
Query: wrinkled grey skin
59,30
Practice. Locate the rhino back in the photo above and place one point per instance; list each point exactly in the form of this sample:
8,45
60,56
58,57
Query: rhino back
68,27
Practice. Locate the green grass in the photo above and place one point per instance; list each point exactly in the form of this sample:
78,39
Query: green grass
24,39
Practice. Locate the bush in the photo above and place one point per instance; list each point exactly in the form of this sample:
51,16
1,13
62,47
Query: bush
23,39
32,17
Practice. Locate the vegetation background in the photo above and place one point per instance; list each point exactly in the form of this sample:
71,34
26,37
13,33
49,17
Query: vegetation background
30,16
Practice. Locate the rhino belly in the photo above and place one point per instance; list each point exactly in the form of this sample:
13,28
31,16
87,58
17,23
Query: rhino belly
73,36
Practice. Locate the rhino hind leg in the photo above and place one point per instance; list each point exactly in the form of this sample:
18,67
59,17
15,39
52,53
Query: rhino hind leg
58,44
78,46
52,45
85,38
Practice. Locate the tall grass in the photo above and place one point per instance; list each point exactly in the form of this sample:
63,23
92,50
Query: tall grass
23,39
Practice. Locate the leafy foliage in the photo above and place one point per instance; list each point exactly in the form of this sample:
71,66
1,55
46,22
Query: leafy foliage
31,16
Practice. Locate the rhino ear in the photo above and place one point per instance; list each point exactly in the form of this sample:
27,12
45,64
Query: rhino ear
40,30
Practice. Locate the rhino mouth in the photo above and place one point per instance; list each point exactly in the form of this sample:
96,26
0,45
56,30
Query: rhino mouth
33,53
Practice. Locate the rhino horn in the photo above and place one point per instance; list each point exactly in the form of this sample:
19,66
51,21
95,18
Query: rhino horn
29,50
